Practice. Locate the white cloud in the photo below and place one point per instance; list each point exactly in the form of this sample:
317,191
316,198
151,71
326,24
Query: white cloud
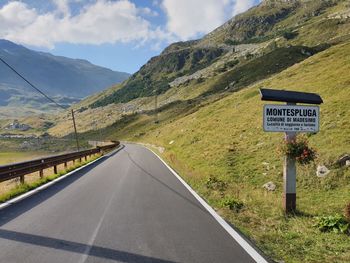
189,18
62,7
99,22
148,11
107,21
14,16
241,6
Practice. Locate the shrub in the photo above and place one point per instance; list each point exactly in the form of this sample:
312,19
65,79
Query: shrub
232,204
231,42
231,63
347,212
214,183
288,35
299,150
335,224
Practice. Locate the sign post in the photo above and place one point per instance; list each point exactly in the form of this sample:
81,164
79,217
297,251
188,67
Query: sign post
289,176
290,119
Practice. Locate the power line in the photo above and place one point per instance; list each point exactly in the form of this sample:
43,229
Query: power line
46,96
34,87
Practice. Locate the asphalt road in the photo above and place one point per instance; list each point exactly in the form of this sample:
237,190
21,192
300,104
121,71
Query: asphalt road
124,208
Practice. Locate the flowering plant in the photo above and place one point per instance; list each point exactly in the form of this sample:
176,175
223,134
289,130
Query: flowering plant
299,149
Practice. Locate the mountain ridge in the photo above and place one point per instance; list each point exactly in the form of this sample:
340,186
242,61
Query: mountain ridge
57,76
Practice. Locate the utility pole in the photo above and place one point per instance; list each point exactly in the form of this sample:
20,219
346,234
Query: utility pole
75,131
43,94
155,106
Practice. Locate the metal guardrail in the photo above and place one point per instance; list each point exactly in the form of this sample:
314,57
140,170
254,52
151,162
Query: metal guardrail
12,171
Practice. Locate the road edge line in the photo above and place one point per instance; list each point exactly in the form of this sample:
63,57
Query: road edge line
46,185
233,233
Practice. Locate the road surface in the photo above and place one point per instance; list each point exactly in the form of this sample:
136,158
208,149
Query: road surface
127,207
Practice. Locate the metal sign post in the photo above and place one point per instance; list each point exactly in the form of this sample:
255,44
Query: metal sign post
289,176
291,119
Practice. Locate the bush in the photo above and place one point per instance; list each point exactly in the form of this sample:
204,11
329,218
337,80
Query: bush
216,184
335,224
232,204
299,150
288,35
347,212
231,42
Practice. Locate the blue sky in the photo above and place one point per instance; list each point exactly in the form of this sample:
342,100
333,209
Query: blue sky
121,34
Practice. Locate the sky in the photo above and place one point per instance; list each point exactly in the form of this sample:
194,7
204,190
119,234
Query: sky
118,34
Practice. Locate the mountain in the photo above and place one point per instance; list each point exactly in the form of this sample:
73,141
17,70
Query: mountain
248,48
68,80
198,105
273,26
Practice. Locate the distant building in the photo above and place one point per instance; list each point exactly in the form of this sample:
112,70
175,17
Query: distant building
15,125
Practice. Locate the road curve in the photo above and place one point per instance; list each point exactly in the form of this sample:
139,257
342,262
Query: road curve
127,207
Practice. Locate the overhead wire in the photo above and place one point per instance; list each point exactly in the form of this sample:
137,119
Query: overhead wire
32,85
46,96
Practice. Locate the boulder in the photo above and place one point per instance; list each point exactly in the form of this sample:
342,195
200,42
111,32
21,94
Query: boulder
343,159
322,171
270,186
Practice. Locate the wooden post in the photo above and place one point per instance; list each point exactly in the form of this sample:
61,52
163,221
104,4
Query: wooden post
155,107
75,131
65,165
85,158
41,173
21,179
289,177
55,169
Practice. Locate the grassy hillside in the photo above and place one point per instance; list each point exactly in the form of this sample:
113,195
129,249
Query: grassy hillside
223,141
210,120
248,48
154,77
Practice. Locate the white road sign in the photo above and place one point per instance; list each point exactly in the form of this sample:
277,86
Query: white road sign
291,118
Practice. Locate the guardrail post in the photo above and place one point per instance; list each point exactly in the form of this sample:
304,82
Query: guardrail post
41,173
65,165
85,158
55,169
21,179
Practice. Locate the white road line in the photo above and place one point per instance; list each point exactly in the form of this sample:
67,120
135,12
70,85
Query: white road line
236,236
97,229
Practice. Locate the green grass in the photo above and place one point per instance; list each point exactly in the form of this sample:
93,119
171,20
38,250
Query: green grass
154,77
224,140
14,157
262,67
23,188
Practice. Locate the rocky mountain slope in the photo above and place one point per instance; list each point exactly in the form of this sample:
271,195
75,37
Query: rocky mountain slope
69,80
254,45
